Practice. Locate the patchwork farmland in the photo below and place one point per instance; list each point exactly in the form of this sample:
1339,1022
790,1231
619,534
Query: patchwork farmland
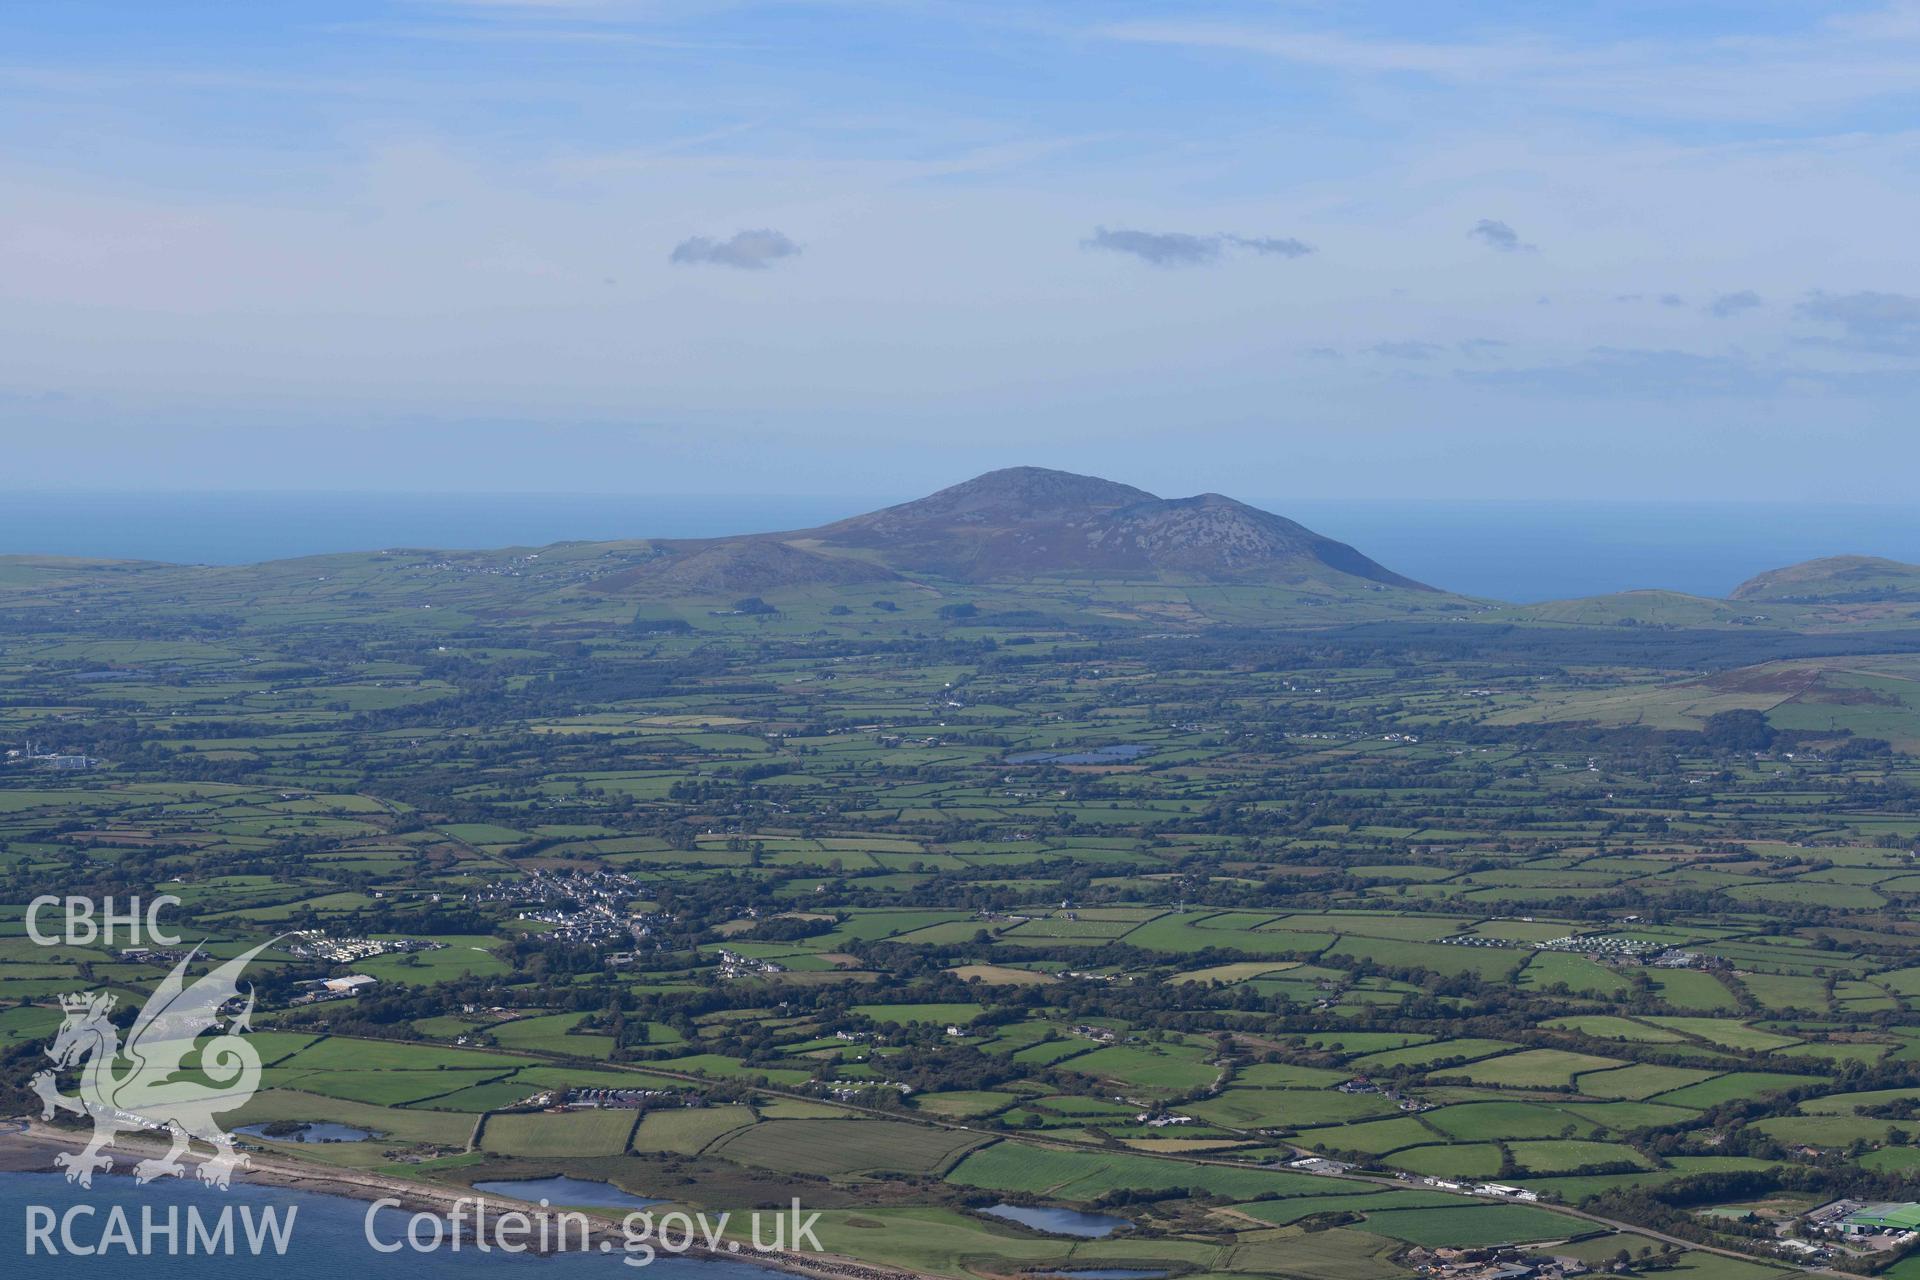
1316,951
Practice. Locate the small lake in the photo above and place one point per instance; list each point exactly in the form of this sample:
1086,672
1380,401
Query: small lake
1059,1222
1120,753
312,1131
582,1193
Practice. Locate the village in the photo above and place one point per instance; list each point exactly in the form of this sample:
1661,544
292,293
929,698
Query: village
586,908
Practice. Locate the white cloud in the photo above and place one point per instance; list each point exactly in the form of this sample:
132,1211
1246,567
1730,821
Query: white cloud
1497,235
1181,249
747,250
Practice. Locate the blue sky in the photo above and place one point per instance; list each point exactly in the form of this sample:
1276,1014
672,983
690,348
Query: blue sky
1581,250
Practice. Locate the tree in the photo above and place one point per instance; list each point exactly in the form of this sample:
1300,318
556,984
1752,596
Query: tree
1738,731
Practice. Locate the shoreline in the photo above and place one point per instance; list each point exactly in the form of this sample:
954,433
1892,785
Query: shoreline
30,1148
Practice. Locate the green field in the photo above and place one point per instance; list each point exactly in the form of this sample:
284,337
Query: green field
845,1146
1082,1176
1484,1225
585,1133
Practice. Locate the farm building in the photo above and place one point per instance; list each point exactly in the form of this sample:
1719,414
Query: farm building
1873,1219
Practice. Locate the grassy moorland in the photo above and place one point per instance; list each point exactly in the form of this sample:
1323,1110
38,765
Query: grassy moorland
1095,892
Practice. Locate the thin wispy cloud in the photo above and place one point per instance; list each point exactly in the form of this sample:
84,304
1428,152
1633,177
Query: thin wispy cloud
1336,51
1161,248
1182,249
1614,373
1828,62
1726,305
1407,349
595,7
746,250
1278,246
1869,320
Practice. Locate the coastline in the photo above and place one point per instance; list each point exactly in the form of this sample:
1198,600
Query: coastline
31,1146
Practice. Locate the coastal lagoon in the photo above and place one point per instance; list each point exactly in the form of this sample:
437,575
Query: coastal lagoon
1058,1222
312,1131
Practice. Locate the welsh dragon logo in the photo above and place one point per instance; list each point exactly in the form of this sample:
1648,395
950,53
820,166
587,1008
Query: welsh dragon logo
178,1068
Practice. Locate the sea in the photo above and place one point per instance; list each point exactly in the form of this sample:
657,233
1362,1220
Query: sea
1522,551
327,1240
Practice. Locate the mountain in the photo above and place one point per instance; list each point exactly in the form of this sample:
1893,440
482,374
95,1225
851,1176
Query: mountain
1023,543
1835,580
1028,522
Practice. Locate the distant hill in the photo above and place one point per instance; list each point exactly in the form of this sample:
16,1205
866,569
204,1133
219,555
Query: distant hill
1028,522
1835,580
1024,546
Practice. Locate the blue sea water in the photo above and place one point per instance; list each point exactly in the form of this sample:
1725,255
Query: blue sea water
1532,551
1522,551
328,1240
241,528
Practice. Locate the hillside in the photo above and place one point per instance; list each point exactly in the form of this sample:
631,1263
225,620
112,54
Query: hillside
1835,580
744,565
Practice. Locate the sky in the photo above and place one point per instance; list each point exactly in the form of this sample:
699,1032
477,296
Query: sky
1624,250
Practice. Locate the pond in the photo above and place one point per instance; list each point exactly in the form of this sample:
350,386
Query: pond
1059,1222
1120,753
582,1193
310,1131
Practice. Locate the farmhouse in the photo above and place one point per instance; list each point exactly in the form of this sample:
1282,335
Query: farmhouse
1505,1192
